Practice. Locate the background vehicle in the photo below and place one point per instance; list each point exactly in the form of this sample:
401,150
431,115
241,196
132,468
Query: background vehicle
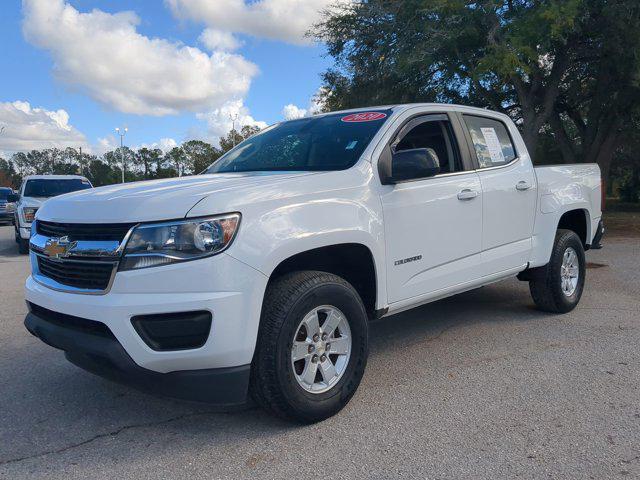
35,190
261,275
7,208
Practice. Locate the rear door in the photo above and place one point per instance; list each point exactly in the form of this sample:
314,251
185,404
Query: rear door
432,225
509,194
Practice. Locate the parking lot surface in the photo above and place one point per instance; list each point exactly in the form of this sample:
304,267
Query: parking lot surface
476,386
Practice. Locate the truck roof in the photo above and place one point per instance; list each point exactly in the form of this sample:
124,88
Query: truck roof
54,177
405,106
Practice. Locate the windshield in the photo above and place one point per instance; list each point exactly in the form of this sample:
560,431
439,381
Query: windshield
4,193
51,188
331,142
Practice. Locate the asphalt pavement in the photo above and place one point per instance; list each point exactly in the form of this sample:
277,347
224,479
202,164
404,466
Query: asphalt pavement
477,386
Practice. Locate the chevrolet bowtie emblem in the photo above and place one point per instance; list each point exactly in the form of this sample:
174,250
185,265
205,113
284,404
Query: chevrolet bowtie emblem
58,247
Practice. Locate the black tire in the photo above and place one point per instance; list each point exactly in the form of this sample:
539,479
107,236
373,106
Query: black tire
273,383
546,284
23,246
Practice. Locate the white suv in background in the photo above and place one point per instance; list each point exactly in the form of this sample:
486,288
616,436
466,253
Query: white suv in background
34,191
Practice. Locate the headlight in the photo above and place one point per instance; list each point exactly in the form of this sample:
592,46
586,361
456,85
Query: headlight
170,242
29,213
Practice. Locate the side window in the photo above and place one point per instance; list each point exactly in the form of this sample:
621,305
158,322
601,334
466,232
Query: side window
491,141
436,135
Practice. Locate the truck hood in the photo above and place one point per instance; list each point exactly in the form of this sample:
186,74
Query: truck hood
153,200
35,202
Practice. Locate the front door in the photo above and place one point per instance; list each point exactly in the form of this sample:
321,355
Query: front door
433,226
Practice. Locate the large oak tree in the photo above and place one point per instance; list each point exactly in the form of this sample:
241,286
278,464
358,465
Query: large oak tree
566,70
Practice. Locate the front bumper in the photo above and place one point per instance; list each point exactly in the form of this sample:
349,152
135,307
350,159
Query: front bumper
229,289
98,352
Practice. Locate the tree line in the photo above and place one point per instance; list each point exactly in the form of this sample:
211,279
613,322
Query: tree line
190,158
566,71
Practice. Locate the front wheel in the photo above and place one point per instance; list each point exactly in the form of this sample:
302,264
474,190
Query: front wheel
23,245
557,287
312,346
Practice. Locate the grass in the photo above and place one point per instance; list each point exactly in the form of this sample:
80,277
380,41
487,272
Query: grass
621,224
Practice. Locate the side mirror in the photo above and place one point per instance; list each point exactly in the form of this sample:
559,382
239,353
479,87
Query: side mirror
13,198
415,163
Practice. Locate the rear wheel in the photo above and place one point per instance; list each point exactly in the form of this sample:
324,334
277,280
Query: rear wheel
312,347
557,287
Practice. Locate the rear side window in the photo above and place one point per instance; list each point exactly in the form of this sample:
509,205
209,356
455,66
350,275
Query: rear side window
491,141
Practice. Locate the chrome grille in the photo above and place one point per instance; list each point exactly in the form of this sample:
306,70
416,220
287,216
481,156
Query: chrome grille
93,276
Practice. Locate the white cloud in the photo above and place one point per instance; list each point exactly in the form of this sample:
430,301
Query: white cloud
103,55
292,112
105,144
219,40
286,20
221,120
164,144
27,128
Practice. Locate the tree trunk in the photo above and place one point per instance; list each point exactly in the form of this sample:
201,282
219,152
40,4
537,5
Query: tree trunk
530,135
605,153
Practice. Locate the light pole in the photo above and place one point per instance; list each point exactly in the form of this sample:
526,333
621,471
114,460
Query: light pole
122,132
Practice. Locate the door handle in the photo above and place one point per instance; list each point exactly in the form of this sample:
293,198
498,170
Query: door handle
467,194
522,185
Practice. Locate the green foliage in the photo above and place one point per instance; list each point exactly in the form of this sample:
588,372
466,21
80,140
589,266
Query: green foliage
199,155
566,70
190,158
234,137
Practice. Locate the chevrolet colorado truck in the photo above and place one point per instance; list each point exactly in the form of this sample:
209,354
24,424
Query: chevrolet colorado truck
34,191
257,279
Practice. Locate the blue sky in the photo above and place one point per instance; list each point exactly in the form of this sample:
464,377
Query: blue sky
46,56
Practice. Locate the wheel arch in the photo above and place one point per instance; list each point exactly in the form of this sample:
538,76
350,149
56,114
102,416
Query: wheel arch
352,261
578,221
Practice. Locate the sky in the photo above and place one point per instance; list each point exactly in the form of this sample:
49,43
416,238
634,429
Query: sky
168,70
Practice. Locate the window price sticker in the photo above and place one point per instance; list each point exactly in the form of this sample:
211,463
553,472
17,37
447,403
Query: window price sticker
493,144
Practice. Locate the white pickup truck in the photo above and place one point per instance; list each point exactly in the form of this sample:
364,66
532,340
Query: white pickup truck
33,192
258,278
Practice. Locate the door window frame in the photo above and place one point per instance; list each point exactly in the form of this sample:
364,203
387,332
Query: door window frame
458,138
472,148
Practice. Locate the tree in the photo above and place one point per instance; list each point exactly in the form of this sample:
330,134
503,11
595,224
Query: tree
147,159
546,63
8,175
234,137
177,159
199,155
192,157
114,159
100,173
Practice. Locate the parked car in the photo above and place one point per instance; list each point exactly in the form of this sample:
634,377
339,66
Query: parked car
34,191
7,208
260,276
